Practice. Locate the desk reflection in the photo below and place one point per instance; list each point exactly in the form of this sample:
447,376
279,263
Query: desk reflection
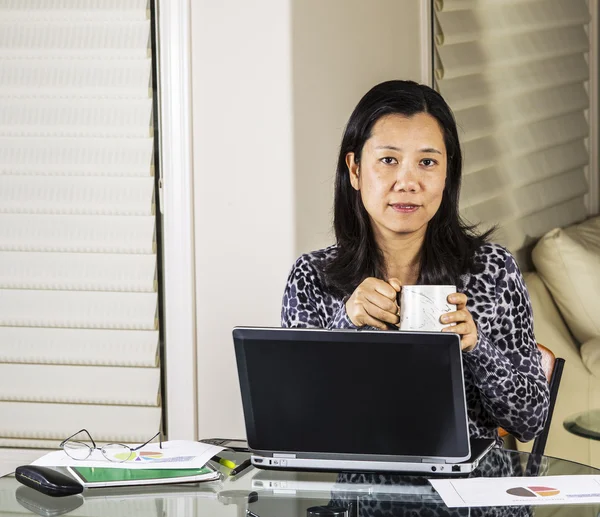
262,493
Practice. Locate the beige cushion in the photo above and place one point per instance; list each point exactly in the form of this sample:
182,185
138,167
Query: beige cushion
568,260
574,393
590,355
548,325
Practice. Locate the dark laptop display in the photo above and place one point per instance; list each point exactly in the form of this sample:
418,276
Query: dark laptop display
380,394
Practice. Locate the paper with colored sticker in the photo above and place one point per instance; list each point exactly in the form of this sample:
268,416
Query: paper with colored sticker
516,491
175,454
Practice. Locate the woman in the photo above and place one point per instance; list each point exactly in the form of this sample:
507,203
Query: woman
396,223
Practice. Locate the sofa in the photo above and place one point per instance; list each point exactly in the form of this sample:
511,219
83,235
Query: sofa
565,294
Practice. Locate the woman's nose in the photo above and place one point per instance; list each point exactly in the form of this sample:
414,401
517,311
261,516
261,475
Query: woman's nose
406,179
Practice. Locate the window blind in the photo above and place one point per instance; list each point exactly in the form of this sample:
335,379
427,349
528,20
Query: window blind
515,74
78,282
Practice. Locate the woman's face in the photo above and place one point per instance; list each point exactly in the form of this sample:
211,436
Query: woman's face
402,174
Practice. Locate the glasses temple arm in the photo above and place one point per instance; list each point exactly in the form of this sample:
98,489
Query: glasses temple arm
75,434
146,443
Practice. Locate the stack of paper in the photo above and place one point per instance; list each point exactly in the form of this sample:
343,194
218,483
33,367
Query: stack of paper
177,461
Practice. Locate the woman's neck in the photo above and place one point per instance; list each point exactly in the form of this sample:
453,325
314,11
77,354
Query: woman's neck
402,255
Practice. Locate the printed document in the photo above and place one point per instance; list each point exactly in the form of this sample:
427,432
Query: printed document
175,454
518,491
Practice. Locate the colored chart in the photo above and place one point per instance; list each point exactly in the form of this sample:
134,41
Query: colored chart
139,456
149,456
533,491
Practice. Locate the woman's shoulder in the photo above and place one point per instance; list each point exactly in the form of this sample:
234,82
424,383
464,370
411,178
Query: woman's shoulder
493,258
317,259
308,272
494,271
492,266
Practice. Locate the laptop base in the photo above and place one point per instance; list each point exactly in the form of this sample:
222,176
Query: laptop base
479,448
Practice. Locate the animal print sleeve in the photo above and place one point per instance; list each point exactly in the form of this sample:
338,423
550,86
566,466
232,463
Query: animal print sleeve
506,363
306,304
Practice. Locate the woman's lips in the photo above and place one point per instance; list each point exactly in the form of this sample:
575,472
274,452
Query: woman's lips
405,208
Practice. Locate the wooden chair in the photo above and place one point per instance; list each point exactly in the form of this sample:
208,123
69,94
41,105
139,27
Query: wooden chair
553,368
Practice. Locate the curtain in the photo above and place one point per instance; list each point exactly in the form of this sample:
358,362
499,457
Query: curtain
79,340
515,74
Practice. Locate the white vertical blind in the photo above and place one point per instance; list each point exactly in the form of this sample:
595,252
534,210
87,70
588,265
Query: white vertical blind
78,291
515,74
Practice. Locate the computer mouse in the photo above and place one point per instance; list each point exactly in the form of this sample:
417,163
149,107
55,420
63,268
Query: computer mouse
47,480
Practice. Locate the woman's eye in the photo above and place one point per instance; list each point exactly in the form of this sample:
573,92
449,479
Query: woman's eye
388,160
428,162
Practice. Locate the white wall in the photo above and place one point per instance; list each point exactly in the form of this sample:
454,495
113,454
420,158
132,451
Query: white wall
273,82
340,48
242,143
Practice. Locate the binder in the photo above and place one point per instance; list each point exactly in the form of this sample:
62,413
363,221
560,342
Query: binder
95,477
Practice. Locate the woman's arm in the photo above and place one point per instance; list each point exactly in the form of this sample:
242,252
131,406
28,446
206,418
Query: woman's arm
306,304
506,363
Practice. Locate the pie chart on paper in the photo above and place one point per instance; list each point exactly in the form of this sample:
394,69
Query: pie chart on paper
149,456
140,456
533,491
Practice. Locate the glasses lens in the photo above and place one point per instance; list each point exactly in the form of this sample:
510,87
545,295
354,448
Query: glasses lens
77,450
117,452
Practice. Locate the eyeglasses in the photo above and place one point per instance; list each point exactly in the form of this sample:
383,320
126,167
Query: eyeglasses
117,452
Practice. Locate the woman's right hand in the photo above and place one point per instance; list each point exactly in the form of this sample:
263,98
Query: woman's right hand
374,303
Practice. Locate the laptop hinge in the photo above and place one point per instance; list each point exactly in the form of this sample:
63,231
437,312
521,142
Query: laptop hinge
279,455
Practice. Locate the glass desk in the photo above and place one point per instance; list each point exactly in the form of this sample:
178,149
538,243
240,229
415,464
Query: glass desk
586,424
259,493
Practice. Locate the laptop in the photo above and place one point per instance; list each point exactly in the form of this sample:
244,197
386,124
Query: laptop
348,400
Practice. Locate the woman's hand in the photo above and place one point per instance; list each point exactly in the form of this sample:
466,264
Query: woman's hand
374,303
465,326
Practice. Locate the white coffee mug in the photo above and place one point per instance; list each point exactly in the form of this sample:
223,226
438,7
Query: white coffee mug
422,305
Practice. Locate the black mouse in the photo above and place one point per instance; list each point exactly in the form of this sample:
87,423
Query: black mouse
47,480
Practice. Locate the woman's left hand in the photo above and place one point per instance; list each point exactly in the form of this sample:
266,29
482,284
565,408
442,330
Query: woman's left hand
464,324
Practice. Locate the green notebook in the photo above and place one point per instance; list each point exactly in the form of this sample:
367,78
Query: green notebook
94,477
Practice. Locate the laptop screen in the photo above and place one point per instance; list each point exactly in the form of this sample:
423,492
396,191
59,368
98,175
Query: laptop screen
349,392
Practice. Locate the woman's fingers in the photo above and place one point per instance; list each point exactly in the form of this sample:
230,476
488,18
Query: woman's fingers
381,314
373,301
395,283
383,288
374,322
381,301
455,316
461,328
458,299
384,303
461,322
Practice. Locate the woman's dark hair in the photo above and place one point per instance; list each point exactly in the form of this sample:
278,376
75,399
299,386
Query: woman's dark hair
449,244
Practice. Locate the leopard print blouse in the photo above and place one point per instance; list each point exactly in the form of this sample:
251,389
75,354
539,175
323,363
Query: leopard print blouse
504,381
